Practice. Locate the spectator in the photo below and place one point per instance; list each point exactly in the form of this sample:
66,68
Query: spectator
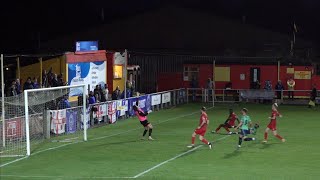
97,98
100,90
257,84
13,91
54,81
64,102
80,101
129,84
18,86
92,99
129,88
60,80
279,88
106,92
268,85
228,88
50,77
194,84
133,87
313,96
209,87
128,95
291,83
28,84
116,93
35,83
44,78
97,92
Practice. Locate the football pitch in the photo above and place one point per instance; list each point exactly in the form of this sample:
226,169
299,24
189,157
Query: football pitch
116,151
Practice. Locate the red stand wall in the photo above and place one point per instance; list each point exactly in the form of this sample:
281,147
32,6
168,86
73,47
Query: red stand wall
267,72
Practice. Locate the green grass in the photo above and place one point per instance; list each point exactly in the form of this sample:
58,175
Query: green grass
116,151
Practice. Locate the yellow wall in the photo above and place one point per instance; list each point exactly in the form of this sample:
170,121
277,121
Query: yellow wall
222,74
118,71
58,65
118,82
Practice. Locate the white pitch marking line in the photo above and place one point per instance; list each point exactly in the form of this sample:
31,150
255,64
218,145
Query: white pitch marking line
66,177
102,137
177,156
5,164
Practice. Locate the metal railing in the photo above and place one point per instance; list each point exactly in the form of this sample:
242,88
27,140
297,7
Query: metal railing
247,95
111,111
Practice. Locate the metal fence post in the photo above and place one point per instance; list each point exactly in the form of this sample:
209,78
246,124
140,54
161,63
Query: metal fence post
203,95
223,94
161,102
187,95
171,96
174,97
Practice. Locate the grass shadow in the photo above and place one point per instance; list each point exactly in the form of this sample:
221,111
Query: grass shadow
120,142
267,145
223,134
234,153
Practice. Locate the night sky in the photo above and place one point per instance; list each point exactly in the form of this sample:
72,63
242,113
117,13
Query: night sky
23,22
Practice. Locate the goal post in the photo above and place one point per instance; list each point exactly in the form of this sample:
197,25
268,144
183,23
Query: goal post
47,115
62,91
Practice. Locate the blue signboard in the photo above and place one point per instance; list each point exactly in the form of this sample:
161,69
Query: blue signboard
87,46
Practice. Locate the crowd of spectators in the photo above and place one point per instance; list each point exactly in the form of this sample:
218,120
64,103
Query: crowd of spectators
130,90
49,79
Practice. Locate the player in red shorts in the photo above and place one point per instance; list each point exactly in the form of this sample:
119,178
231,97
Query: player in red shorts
201,129
229,123
273,124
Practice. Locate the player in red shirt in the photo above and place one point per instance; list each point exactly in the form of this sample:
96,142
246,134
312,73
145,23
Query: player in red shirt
201,129
229,123
273,124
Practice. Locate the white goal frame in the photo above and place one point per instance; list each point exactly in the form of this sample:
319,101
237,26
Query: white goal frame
26,92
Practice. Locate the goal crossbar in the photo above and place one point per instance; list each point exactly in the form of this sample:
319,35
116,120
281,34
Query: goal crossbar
26,92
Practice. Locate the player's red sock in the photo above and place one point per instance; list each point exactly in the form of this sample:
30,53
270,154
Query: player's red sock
265,136
205,141
279,137
227,129
193,139
219,128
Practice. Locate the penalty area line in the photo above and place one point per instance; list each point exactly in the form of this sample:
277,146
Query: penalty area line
174,158
97,138
63,177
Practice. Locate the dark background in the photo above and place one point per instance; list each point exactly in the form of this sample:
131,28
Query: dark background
26,24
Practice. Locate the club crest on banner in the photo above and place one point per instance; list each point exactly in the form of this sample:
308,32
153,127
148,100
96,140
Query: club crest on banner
71,121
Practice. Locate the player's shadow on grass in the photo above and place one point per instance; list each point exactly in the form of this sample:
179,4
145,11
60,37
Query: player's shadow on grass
234,153
118,143
267,145
224,134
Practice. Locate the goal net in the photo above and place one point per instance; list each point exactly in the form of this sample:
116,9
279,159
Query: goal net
39,116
